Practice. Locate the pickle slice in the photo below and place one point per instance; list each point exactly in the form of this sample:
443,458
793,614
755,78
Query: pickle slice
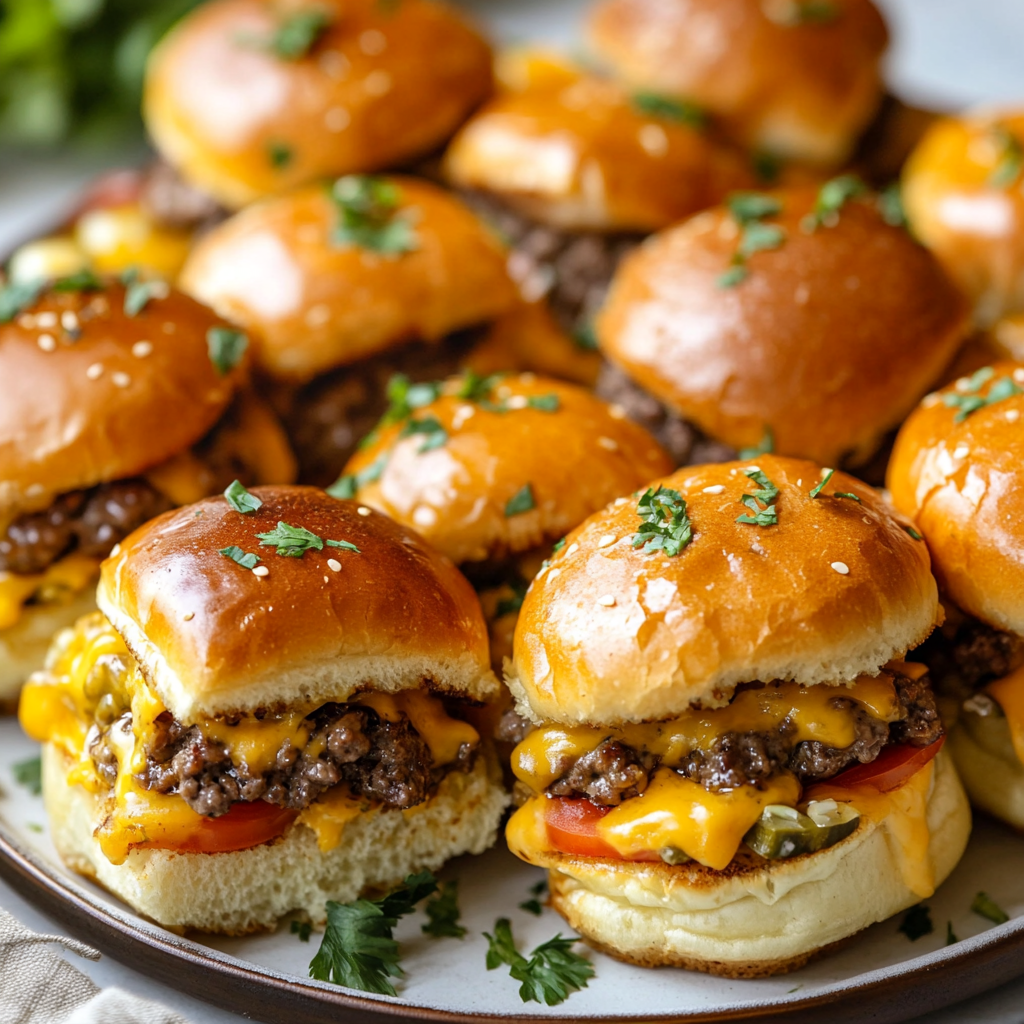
785,832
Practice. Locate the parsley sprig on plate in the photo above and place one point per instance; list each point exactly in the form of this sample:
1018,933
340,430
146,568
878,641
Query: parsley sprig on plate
443,911
665,525
552,972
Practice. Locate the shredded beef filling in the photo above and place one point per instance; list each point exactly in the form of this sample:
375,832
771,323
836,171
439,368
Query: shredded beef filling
613,772
388,762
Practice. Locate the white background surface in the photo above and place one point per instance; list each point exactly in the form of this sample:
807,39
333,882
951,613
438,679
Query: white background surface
948,52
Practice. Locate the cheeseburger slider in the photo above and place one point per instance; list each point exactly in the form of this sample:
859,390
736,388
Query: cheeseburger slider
493,471
246,98
733,767
116,403
271,690
801,321
794,79
957,471
333,283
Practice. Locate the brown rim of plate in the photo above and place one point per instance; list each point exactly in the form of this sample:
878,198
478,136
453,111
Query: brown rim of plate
918,986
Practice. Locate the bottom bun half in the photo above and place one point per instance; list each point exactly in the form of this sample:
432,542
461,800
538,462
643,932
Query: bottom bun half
756,918
993,776
249,890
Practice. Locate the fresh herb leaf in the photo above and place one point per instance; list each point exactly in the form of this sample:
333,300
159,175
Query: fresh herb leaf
345,545
767,166
914,535
16,297
968,401
1010,161
764,447
668,109
832,197
767,490
521,501
890,205
665,525
534,905
511,605
138,293
750,207
358,948
748,210
766,493
585,337
847,494
803,12
226,346
244,558
545,403
558,545
345,487
29,773
758,237
430,428
303,929
917,922
476,388
280,155
552,972
986,907
291,541
83,281
369,217
298,33
734,276
951,939
821,484
404,397
443,911
240,499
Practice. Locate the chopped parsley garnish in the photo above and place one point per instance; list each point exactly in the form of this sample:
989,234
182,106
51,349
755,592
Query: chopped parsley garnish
735,275
368,216
758,237
1010,161
890,206
832,197
430,428
358,948
558,545
914,535
520,502
404,397
917,922
83,281
821,485
968,400
29,774
764,447
668,109
16,297
986,907
767,166
280,155
476,388
749,209
443,911
345,487
295,541
511,605
138,293
298,33
303,929
545,403
951,939
767,493
240,499
245,559
585,337
533,905
664,525
803,12
226,347
847,494
552,973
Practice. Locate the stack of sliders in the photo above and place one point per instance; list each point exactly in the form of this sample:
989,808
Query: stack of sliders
272,690
733,768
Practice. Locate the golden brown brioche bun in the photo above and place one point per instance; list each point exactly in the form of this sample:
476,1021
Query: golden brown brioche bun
757,918
312,305
213,637
109,398
610,633
231,893
962,194
962,484
797,90
575,460
582,157
381,84
829,341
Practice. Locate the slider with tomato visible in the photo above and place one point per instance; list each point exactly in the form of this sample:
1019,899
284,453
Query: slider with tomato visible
119,398
733,766
956,472
271,690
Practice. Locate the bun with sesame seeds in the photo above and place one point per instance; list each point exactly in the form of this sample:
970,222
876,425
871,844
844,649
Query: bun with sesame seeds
801,315
247,98
732,768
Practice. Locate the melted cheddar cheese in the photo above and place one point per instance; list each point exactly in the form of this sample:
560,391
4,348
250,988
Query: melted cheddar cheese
58,584
1008,693
94,677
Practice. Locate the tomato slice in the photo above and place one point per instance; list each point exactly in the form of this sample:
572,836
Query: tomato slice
572,828
894,766
244,826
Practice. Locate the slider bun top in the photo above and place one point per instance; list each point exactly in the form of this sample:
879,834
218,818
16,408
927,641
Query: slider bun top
583,156
575,459
213,637
962,193
963,485
312,305
828,342
610,633
108,398
798,89
381,83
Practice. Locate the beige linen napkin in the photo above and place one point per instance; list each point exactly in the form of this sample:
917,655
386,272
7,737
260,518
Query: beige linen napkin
39,987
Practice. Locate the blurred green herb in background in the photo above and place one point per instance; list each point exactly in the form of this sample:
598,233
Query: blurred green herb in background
71,70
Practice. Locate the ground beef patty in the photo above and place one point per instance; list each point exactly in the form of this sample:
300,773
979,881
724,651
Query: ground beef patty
614,772
388,762
966,654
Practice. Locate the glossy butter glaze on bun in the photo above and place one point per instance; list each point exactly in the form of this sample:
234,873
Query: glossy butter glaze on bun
215,637
826,334
246,98
780,78
611,633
